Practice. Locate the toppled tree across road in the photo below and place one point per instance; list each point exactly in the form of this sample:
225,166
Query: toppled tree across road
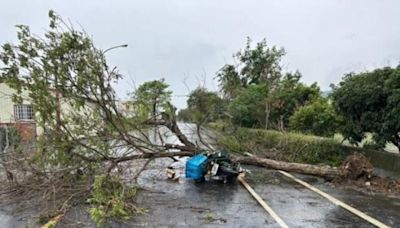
87,141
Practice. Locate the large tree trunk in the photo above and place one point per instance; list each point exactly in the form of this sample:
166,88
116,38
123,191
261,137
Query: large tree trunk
189,149
326,172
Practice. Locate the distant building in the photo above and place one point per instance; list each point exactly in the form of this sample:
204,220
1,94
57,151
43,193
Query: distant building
20,116
127,108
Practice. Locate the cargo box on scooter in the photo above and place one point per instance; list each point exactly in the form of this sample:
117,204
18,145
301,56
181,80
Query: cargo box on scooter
196,167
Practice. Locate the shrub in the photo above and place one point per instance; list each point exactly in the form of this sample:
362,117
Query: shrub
317,118
111,198
288,147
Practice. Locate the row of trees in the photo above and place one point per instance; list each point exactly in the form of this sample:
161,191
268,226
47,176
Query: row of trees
256,92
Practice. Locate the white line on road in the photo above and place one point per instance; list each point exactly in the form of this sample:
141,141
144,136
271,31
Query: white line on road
336,201
262,202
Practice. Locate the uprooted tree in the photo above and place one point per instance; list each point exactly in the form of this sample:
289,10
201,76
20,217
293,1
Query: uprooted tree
86,140
85,137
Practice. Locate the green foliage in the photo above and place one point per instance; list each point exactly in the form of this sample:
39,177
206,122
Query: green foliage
318,118
261,64
369,102
289,95
258,74
110,198
258,65
11,135
69,85
151,98
203,106
230,81
248,108
185,115
289,147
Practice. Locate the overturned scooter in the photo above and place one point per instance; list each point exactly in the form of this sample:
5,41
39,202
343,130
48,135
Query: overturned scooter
212,166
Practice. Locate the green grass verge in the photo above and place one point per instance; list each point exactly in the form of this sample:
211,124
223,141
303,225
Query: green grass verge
291,147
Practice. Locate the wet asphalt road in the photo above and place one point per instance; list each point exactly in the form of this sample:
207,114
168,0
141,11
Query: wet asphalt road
209,204
189,204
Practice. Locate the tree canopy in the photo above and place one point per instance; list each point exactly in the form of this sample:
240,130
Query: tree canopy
369,102
151,98
317,118
202,106
259,92
255,65
247,109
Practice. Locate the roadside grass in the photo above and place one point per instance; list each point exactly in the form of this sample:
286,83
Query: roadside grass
291,147
286,146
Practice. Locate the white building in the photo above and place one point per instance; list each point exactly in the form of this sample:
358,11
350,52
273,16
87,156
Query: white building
20,116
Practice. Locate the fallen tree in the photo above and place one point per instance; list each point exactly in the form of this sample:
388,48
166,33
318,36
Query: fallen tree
326,172
79,155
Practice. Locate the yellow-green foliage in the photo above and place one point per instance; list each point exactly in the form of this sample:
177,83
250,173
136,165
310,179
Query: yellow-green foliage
290,147
111,198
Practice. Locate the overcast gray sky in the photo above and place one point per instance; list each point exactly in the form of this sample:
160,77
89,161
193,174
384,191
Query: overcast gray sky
184,40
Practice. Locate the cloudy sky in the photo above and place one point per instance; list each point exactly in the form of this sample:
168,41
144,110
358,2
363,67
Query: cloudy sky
187,41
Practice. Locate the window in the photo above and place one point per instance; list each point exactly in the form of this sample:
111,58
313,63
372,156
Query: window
23,112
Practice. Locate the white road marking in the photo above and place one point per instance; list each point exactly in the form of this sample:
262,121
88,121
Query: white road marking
336,201
262,202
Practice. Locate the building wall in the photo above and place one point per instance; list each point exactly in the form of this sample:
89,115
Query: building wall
7,105
27,129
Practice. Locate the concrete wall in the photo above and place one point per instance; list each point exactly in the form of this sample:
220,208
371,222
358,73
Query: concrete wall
384,160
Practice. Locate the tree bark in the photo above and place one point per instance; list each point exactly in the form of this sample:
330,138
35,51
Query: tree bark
267,111
170,122
189,149
326,172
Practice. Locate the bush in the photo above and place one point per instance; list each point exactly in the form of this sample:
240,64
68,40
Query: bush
110,198
288,147
317,118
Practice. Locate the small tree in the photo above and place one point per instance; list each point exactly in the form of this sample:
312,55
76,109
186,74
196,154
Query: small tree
69,83
151,98
289,95
261,65
230,81
203,106
318,118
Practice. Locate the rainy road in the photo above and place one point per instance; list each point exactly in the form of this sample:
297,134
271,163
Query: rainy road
188,204
184,203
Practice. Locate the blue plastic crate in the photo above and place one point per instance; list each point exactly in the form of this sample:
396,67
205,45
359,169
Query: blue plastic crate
195,167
